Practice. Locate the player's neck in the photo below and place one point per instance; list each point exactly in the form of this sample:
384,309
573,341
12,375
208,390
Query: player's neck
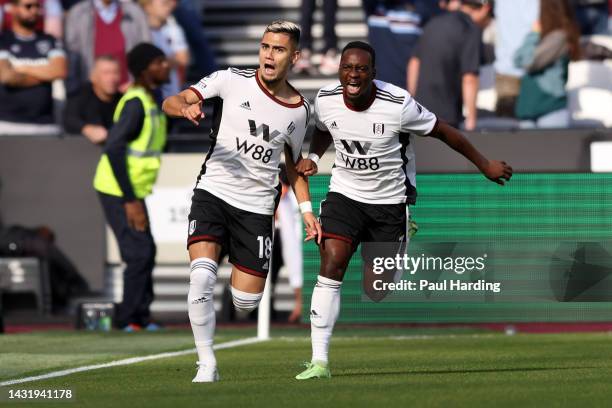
362,102
145,83
279,89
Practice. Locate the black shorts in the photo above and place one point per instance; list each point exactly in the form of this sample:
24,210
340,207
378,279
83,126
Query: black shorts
355,222
245,236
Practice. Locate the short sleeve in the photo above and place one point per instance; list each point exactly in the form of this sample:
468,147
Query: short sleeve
416,119
4,53
470,53
318,122
215,84
298,133
57,49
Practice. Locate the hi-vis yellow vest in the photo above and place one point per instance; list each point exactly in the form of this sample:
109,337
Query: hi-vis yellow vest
143,153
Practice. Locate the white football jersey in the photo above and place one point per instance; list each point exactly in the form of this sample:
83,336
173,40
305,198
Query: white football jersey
249,134
374,156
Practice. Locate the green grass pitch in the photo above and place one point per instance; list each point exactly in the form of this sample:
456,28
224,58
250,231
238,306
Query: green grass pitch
374,367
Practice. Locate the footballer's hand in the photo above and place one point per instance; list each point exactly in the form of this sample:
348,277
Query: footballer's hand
136,216
498,171
193,113
313,228
296,313
307,167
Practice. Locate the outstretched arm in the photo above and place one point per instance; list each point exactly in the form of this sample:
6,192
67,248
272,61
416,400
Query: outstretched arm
186,104
299,184
496,171
320,142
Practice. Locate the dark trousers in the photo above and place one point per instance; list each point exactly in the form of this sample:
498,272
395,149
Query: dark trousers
329,23
395,49
138,252
189,18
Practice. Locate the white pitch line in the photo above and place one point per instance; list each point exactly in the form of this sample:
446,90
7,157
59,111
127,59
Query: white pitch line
127,361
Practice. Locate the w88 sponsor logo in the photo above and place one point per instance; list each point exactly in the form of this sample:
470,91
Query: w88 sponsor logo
360,163
256,151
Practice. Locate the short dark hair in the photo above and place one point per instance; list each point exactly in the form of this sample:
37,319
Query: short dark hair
362,46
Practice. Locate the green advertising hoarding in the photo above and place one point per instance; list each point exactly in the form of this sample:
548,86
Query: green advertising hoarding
547,238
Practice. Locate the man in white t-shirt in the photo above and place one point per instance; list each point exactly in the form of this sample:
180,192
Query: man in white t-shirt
259,116
371,124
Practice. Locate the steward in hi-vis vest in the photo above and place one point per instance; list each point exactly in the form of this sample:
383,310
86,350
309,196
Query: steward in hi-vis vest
143,153
126,174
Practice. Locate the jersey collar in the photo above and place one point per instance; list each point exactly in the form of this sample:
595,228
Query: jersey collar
274,98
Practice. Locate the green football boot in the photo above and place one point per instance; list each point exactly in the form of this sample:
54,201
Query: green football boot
316,369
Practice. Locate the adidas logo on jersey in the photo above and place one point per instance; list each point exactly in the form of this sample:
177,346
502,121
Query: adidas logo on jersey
246,105
333,125
266,265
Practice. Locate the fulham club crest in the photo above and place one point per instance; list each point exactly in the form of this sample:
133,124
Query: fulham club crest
378,128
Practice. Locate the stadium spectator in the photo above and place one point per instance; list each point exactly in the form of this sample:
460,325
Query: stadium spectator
513,20
49,20
592,16
450,53
125,176
170,38
29,61
330,59
545,56
190,20
394,27
449,5
103,27
90,111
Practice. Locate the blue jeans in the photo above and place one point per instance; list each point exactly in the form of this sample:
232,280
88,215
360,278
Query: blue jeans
558,119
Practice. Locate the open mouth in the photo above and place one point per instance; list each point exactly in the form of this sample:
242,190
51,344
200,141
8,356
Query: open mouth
269,69
353,88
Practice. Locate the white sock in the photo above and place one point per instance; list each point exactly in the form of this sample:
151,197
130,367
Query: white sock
324,311
245,301
201,307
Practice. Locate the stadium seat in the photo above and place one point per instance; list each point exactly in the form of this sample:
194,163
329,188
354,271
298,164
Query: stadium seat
26,275
589,93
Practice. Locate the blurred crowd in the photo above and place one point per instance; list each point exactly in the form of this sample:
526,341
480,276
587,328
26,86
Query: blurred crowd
530,44
75,51
437,50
